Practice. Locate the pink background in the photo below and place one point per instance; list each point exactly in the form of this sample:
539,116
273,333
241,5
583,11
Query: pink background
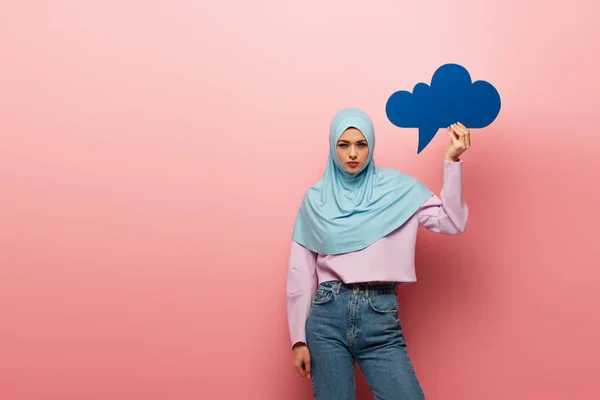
153,155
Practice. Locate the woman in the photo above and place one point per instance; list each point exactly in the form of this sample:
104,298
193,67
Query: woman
353,244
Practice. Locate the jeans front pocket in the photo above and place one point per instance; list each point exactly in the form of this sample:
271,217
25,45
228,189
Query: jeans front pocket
323,296
384,303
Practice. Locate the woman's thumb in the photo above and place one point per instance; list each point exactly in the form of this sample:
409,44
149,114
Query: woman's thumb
307,366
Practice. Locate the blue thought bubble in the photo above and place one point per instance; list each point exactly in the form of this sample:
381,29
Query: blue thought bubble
452,97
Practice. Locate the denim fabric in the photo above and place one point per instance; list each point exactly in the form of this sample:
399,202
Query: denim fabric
358,323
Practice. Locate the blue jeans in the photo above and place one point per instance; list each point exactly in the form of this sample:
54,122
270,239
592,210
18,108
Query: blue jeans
349,323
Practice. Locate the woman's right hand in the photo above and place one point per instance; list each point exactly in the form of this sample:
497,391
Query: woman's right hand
302,359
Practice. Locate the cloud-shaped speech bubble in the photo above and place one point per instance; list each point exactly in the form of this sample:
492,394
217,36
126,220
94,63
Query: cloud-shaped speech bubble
452,97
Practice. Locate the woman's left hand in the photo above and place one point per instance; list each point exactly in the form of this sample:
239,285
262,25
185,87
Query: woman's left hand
460,141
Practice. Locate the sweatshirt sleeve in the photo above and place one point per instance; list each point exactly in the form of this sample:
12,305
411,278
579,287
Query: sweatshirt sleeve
301,286
448,214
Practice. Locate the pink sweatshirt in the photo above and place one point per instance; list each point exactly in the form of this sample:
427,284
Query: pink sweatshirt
391,259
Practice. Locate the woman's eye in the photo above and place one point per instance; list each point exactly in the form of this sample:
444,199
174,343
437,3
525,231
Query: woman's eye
343,145
362,145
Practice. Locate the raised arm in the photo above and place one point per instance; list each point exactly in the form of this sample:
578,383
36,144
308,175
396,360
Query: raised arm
448,214
301,286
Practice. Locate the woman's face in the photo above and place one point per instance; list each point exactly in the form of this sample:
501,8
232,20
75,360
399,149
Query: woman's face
352,150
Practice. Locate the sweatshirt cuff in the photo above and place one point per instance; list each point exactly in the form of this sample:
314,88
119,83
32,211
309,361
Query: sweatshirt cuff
298,339
295,342
453,162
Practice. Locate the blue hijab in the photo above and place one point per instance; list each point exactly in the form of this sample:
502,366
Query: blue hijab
346,212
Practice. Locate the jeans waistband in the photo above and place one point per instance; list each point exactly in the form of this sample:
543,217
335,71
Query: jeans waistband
374,287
